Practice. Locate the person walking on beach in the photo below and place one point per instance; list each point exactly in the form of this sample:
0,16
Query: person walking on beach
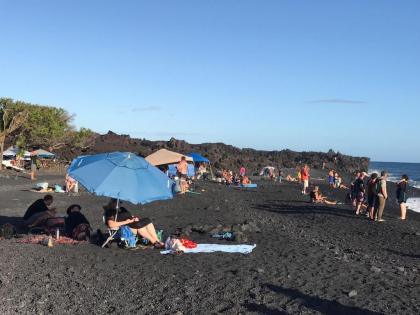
402,196
359,191
305,179
382,196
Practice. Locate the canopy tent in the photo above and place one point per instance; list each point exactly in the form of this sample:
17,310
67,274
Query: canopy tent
266,171
198,158
13,151
44,154
165,157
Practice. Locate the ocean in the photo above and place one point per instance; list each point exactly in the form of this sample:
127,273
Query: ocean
395,170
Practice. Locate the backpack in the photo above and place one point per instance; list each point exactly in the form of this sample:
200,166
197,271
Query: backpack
378,187
8,231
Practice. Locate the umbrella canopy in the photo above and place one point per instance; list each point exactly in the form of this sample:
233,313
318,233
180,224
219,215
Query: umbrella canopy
13,151
199,158
44,154
124,176
163,157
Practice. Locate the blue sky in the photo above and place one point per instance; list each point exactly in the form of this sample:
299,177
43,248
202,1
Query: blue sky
304,75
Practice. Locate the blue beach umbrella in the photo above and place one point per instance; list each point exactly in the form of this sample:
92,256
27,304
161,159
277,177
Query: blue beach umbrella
124,176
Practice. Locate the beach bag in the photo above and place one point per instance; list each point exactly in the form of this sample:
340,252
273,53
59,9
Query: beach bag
174,244
8,231
125,233
81,232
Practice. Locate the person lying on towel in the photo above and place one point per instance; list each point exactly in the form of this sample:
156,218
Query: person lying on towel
143,227
246,180
39,212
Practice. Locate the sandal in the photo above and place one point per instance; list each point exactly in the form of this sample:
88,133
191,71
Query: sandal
159,245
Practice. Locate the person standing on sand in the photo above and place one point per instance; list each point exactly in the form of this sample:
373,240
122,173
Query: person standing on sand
402,187
371,195
359,190
242,171
33,165
182,169
382,196
305,179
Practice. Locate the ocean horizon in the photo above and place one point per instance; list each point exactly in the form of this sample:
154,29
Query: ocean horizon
397,169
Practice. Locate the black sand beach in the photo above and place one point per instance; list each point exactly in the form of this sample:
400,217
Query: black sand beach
310,259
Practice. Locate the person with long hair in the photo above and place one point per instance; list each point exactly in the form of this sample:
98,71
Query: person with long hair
402,187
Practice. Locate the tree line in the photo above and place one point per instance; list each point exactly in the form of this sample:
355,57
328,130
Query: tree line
32,125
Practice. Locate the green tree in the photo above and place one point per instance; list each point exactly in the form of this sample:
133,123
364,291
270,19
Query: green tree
11,119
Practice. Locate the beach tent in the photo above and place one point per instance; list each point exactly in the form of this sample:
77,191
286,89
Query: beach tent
198,158
166,157
44,154
201,159
13,151
267,170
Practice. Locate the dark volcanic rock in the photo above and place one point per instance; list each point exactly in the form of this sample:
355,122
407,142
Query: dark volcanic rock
223,155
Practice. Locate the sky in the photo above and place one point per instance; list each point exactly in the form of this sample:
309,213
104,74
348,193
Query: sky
304,75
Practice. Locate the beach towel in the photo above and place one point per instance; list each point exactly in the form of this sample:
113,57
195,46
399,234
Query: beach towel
247,186
43,239
212,248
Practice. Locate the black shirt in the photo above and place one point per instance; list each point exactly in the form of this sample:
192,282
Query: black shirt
37,206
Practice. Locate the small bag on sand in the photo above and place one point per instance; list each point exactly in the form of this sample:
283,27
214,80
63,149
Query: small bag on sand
174,244
7,231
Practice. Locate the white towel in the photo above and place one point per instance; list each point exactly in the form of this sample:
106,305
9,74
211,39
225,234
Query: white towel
211,248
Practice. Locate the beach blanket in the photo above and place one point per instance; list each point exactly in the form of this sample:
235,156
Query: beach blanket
212,248
42,239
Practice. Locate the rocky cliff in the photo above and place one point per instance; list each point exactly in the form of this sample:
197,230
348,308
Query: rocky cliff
222,155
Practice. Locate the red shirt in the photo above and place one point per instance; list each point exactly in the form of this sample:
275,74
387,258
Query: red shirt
305,174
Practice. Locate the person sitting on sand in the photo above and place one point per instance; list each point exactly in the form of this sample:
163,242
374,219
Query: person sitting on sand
77,226
316,197
246,180
71,184
39,212
143,227
289,178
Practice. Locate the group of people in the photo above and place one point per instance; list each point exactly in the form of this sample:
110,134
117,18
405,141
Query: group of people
335,180
236,179
76,225
372,195
42,214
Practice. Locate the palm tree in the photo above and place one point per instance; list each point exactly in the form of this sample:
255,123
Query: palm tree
10,120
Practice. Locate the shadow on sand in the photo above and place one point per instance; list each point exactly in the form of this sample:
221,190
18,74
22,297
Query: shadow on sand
309,209
314,303
17,222
403,254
